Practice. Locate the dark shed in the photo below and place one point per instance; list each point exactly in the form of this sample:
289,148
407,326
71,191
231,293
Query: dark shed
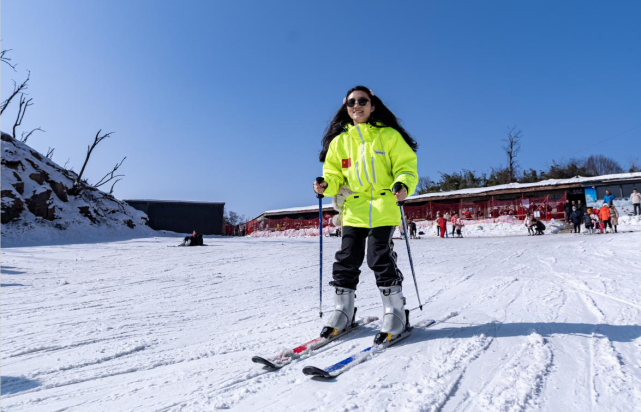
183,217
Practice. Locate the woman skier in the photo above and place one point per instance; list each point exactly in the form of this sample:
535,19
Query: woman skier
366,149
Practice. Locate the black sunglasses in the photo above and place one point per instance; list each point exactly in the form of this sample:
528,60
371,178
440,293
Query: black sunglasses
361,102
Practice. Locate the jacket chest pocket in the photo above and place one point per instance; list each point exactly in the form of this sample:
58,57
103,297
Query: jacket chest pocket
381,167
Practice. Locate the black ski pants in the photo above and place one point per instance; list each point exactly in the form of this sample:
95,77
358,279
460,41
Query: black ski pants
381,257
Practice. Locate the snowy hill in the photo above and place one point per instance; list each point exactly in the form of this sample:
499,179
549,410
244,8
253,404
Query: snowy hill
544,323
38,206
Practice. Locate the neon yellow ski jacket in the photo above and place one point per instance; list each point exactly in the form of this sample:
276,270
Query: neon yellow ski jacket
369,160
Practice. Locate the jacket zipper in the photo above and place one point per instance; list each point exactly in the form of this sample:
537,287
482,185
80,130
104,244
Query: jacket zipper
363,154
373,170
371,198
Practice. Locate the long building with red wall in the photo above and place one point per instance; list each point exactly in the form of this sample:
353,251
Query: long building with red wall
543,199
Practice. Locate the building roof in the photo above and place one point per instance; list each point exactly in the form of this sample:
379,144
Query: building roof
173,201
294,210
577,181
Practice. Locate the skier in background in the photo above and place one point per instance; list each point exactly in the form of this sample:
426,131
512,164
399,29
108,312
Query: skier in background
614,217
635,198
365,148
446,217
459,226
608,197
604,214
598,225
412,229
589,223
529,224
576,217
442,227
567,208
454,220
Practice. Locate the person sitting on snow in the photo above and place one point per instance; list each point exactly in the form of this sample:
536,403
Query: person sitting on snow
538,226
196,239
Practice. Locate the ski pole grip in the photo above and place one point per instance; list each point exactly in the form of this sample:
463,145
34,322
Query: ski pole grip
319,180
398,186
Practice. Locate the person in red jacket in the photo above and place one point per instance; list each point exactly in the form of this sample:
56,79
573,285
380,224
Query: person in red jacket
441,225
604,215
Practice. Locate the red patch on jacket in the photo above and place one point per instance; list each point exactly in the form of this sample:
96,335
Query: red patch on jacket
347,163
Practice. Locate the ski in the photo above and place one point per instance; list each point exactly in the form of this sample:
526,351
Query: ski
286,357
361,356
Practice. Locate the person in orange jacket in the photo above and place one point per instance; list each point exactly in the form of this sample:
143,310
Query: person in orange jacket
604,214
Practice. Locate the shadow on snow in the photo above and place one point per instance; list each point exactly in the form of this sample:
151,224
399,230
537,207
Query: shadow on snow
15,384
615,333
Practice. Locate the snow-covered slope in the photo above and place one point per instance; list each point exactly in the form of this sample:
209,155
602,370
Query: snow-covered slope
545,323
39,207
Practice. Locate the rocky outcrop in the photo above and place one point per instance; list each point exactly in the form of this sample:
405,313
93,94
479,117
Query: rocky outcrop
41,205
38,193
60,190
12,206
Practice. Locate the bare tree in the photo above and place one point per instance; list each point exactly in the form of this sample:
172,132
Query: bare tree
111,191
25,135
6,59
50,152
233,218
425,185
602,165
635,166
22,109
110,176
95,143
512,148
16,90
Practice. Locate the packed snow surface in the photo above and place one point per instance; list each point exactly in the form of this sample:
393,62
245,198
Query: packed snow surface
544,323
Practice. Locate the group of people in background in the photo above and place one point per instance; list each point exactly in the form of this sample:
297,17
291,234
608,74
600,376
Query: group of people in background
596,220
442,221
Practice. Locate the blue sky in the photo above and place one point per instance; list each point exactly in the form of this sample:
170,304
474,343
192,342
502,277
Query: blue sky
227,101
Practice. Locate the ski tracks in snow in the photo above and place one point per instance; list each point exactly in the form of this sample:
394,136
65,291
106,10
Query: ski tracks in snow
536,323
610,385
607,369
517,384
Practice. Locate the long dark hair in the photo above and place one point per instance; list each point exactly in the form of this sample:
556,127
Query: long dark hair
381,116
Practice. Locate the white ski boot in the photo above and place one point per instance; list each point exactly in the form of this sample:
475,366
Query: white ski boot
395,318
344,312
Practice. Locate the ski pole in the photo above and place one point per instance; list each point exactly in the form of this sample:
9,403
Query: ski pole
320,180
397,188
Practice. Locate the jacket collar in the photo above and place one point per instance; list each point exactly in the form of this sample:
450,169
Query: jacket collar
362,126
